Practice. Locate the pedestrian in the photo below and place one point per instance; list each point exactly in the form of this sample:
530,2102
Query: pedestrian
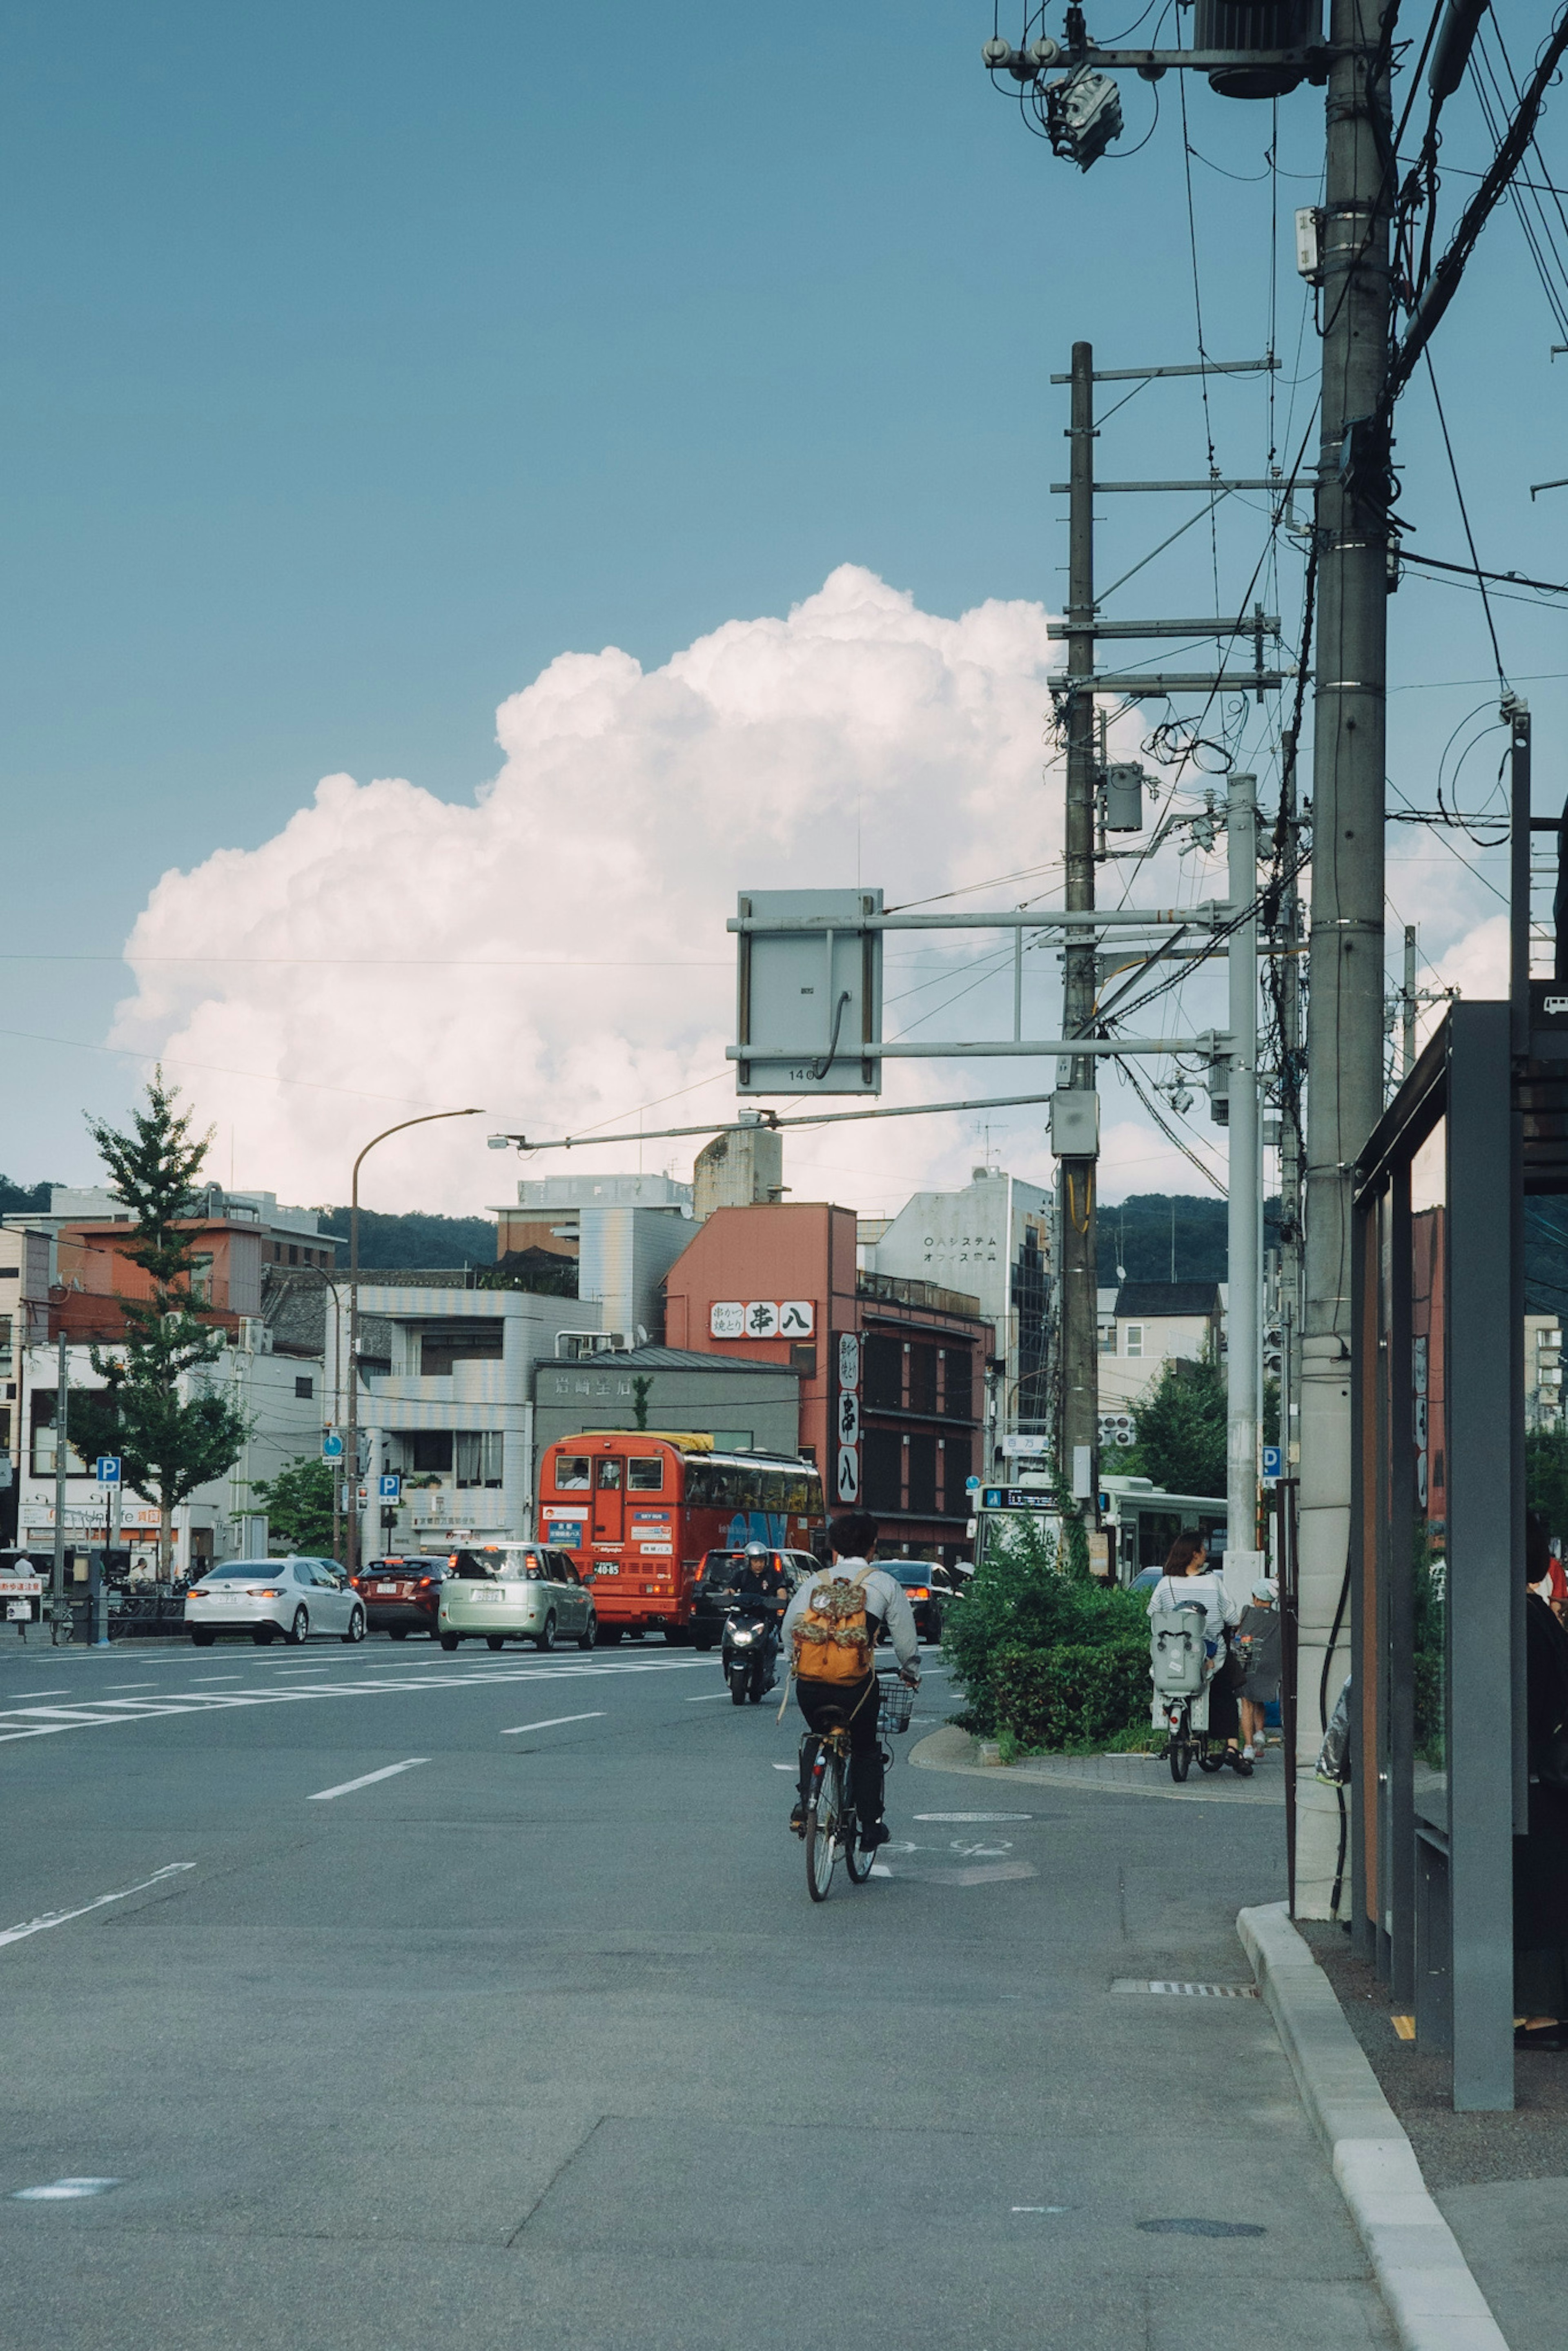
1541,1857
1188,1577
1257,1646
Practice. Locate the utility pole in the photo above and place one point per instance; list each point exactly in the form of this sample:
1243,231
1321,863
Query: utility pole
58,1580
1288,950
1244,1210
1407,1006
1345,1038
1076,1174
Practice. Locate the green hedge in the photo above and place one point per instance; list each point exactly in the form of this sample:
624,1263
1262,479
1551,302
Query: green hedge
1045,1652
1078,1694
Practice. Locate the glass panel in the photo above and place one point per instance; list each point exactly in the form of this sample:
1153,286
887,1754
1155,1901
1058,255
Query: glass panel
610,1476
571,1473
645,1473
1428,1435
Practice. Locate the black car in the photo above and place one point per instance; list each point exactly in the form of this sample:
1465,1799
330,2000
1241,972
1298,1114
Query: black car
713,1594
403,1595
931,1589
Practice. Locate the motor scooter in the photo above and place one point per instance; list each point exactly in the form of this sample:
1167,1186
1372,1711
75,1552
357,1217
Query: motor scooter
750,1650
1181,1670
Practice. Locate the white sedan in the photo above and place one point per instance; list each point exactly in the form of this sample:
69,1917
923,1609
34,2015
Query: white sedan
266,1597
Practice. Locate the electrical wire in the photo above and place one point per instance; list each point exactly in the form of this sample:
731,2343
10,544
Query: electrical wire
1465,518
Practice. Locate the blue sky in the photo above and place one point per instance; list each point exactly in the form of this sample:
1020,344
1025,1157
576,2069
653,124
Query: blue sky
360,362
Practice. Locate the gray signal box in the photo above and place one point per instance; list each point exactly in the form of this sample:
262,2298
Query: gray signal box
809,992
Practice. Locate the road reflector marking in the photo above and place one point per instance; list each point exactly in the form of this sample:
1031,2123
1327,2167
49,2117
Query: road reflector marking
63,1917
367,1779
60,2191
553,1722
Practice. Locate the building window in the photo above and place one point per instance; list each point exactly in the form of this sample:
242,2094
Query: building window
882,1374
923,1379
293,1254
1107,1338
1135,1338
957,1454
432,1449
7,1356
922,1473
444,1344
881,1469
479,1456
304,1384
202,1279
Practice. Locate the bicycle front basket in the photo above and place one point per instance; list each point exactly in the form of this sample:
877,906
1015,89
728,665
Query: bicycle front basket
897,1705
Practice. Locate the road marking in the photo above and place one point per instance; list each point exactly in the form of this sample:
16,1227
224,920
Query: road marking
974,1816
1193,1991
880,1869
60,2191
787,1767
123,1686
63,1917
44,1721
708,1697
366,1779
1040,2208
553,1721
216,1677
21,1696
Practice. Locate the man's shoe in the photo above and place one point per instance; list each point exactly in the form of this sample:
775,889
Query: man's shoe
798,1820
873,1833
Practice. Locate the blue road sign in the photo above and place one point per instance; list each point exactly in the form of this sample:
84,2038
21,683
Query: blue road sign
1273,1463
109,1468
390,1486
971,1484
331,1447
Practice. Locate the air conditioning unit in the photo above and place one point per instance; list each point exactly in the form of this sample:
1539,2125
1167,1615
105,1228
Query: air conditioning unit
254,1338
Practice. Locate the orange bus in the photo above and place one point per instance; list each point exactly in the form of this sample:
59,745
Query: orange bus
639,1509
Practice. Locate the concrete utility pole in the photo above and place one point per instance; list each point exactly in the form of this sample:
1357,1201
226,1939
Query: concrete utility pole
1244,1212
1079,1342
1344,1041
62,1415
1407,1006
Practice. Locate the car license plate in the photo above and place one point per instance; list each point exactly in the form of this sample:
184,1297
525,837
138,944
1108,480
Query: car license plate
386,1587
600,1569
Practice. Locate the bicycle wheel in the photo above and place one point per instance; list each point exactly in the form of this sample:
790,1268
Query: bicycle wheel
1181,1759
822,1828
858,1864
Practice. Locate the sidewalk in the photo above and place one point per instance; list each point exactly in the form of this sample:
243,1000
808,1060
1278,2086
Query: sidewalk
1120,1775
1499,2181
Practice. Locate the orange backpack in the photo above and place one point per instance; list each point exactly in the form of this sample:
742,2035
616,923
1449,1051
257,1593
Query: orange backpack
833,1638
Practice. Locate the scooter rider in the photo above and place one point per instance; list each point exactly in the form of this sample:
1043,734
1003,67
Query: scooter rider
764,1582
851,1540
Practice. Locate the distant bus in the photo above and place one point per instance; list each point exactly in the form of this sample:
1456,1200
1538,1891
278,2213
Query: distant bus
1143,1522
638,1510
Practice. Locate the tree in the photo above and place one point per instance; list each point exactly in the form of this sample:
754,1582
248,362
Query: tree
642,1388
299,1505
172,1432
1181,1430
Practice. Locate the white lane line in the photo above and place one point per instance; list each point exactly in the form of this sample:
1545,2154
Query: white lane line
367,1779
21,1697
553,1722
707,1698
42,1721
124,1686
63,1917
217,1677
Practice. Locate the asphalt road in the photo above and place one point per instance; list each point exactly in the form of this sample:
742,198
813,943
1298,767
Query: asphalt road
538,2041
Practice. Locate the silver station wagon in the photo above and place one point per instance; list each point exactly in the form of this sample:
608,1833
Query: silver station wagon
514,1592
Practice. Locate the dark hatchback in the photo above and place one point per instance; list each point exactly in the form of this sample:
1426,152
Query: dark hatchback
402,1595
713,1594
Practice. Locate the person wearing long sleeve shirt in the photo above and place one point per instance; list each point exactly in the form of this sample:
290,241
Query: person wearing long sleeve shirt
852,1538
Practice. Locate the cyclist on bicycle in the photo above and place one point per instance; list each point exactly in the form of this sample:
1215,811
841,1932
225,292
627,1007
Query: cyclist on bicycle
852,1542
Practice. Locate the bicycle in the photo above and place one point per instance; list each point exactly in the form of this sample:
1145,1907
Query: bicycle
831,1823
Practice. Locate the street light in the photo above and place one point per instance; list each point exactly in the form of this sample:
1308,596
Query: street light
352,1545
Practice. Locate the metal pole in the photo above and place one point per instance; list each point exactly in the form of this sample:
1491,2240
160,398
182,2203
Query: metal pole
58,1580
1079,1302
1244,1214
1290,971
1408,1005
1345,1039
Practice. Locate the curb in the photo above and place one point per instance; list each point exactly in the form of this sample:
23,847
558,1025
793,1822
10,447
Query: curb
1432,2298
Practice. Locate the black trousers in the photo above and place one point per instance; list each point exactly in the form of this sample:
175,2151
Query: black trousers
823,1704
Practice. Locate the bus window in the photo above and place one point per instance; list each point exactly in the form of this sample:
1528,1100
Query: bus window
610,1477
645,1473
571,1473
609,1473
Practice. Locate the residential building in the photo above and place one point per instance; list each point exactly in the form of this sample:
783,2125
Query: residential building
279,1396
1149,1325
743,1404
625,1232
993,1241
446,1402
1543,1371
892,1369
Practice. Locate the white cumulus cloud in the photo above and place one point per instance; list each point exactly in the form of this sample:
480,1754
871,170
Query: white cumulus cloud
554,949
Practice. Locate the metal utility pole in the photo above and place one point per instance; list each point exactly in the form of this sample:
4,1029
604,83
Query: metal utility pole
1244,1211
1287,943
1407,1006
62,1415
1345,1039
1079,1342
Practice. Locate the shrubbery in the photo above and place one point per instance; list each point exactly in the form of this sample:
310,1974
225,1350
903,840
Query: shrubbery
1048,1658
